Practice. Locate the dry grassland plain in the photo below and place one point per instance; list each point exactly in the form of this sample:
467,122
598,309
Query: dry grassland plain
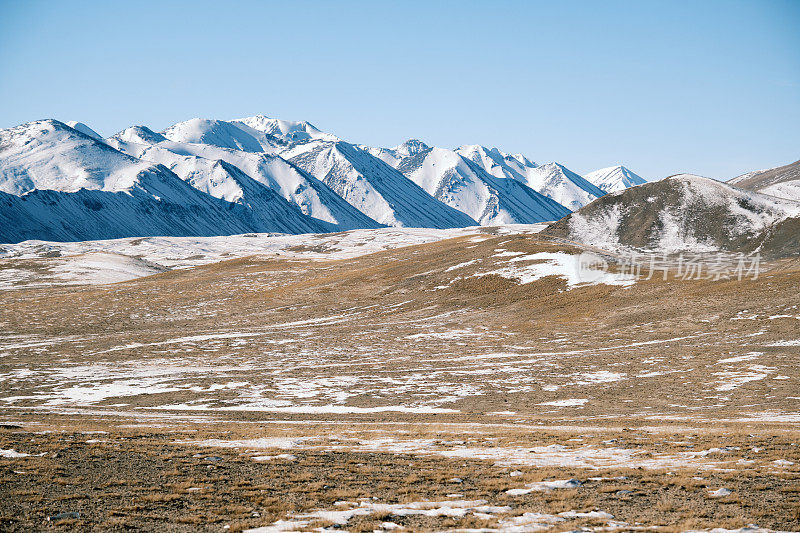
459,384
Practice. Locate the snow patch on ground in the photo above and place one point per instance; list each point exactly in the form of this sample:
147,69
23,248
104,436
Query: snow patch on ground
571,402
560,264
543,486
735,379
480,509
114,260
11,454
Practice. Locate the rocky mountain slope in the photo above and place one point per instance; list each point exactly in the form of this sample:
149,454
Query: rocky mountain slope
685,214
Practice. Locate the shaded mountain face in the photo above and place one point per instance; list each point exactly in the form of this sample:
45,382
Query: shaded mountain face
782,182
57,183
464,185
199,164
373,187
614,179
683,214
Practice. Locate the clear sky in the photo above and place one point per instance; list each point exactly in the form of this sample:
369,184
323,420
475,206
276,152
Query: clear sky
709,87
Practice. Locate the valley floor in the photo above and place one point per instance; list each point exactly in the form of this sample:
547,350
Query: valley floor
390,379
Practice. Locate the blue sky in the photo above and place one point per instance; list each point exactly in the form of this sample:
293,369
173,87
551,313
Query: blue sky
709,87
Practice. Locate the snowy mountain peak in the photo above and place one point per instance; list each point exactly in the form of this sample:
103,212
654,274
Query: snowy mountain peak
214,132
497,163
140,135
285,129
477,148
520,159
614,179
494,153
57,183
49,155
464,184
411,147
556,181
83,128
373,186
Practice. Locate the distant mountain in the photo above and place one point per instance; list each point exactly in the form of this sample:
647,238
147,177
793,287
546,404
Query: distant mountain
783,182
256,174
285,129
213,132
83,128
196,164
552,180
57,183
562,185
497,163
464,185
138,134
685,213
372,186
228,182
614,179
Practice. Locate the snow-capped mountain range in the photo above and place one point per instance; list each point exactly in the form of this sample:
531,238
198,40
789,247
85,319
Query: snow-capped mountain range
467,186
64,181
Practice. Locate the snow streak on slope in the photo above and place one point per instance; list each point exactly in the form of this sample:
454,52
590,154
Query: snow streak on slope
789,190
285,129
783,182
614,179
189,160
59,184
373,187
214,132
463,185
